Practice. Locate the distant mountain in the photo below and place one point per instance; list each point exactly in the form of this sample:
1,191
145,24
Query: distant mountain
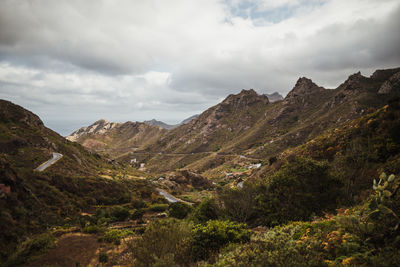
161,124
189,119
274,97
116,138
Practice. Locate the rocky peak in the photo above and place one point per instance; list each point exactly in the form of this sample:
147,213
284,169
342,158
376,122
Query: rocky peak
353,82
304,86
99,127
244,98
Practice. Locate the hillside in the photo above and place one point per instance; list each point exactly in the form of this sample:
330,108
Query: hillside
248,124
115,139
243,124
332,201
33,201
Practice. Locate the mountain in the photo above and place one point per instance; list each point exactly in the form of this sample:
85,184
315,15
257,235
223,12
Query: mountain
274,97
161,124
249,124
31,201
189,119
116,138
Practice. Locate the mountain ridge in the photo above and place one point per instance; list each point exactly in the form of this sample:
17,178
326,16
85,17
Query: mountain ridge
248,123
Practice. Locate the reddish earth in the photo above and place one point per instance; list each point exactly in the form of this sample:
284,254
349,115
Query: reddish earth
73,249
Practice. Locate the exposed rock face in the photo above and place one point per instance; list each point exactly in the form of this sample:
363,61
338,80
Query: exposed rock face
99,127
391,85
244,98
274,97
303,87
353,82
116,138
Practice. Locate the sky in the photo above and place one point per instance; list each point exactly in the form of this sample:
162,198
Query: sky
73,62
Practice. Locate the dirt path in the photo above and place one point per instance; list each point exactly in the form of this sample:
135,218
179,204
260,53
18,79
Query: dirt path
72,249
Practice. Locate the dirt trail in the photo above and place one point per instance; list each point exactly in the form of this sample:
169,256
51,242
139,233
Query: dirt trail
72,249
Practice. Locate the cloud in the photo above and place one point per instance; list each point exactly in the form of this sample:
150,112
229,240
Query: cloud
135,60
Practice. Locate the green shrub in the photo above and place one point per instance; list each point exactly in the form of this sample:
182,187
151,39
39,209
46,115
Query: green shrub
158,207
179,210
138,204
239,203
137,214
31,248
165,242
103,257
211,237
205,211
114,236
299,189
92,229
120,213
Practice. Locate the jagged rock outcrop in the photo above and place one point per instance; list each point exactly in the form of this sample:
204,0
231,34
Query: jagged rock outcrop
353,82
391,85
99,127
243,99
303,87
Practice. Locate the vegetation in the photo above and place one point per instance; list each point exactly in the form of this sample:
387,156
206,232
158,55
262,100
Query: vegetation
179,210
365,235
315,204
164,243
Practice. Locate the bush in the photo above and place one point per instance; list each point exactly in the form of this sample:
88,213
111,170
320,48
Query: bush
92,229
164,243
31,248
120,213
299,189
137,214
211,237
114,236
205,211
239,203
103,257
179,210
158,207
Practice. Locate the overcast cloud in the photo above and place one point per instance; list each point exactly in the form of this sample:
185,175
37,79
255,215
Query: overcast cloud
73,62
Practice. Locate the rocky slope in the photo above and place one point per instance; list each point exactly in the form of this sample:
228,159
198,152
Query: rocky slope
249,124
245,124
116,138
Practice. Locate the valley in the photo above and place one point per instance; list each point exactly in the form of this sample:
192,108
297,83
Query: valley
252,181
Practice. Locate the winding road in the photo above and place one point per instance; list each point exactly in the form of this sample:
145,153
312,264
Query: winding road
45,165
170,197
